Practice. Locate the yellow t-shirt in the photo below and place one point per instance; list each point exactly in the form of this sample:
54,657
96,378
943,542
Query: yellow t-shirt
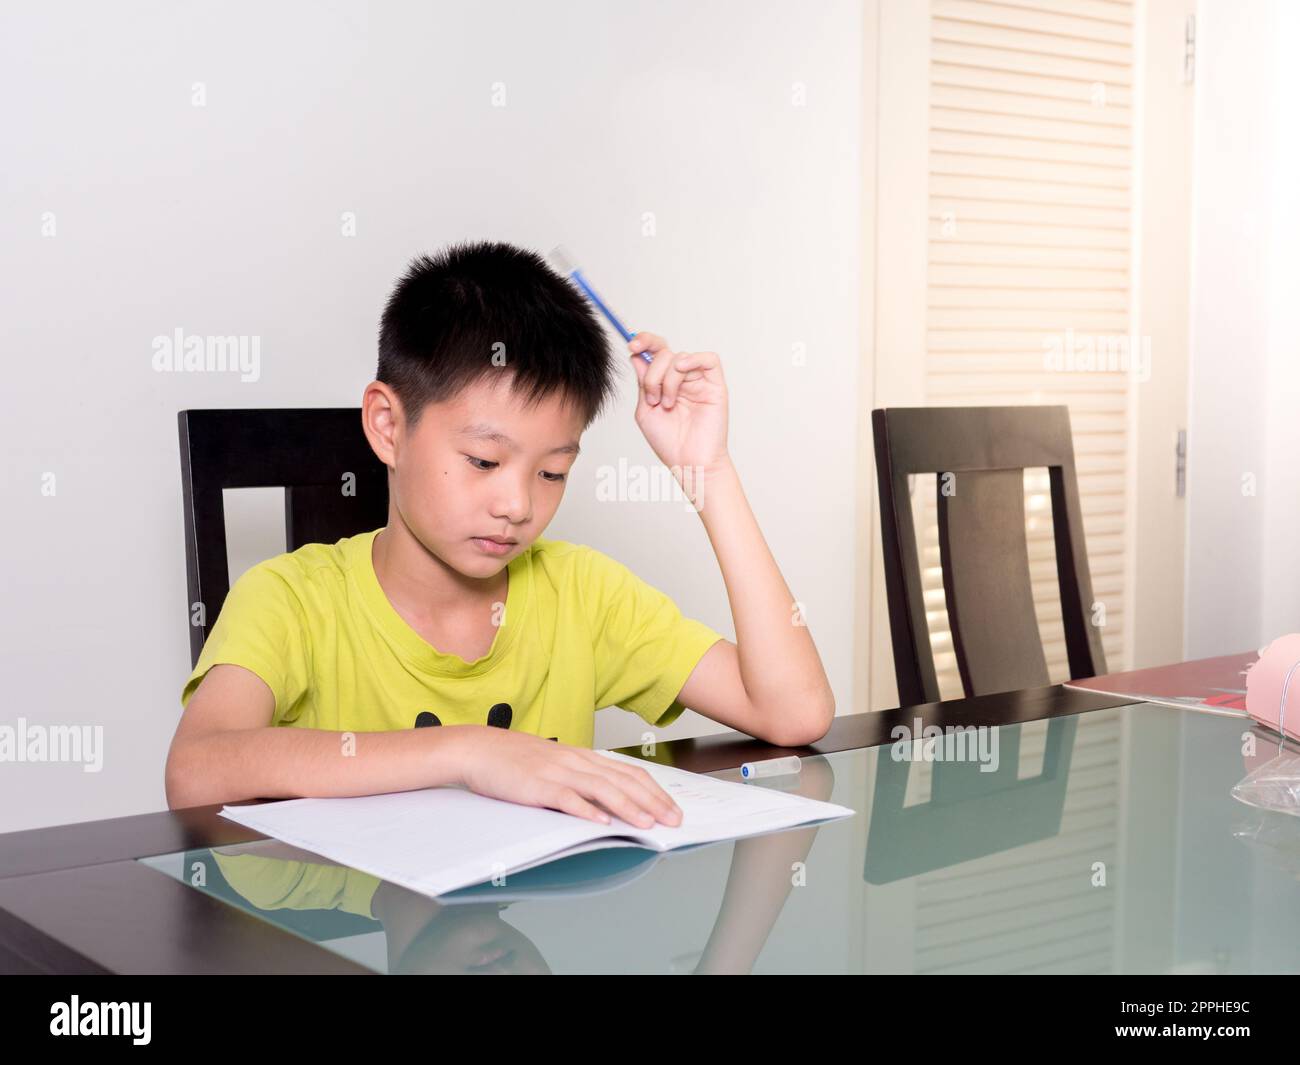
579,632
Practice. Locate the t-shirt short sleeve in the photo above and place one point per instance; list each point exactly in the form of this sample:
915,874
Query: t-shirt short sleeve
262,627
644,648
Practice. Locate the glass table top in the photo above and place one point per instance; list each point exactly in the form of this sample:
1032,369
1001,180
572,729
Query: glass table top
1106,842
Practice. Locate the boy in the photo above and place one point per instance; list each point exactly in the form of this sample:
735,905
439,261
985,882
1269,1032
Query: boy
454,645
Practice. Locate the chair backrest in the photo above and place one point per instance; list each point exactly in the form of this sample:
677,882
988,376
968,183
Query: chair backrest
334,486
979,455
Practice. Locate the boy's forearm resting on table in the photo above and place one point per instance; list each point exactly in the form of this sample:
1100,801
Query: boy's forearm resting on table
236,765
779,665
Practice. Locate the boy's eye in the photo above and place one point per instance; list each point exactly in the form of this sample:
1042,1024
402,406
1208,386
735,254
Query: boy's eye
488,464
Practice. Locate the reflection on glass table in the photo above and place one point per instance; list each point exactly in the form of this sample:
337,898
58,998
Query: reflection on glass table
1103,842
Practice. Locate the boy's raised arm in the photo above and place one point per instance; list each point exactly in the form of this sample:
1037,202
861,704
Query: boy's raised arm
770,683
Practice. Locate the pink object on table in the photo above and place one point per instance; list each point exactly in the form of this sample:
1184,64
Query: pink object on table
1273,686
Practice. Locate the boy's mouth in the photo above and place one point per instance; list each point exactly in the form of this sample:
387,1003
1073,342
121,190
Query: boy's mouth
493,545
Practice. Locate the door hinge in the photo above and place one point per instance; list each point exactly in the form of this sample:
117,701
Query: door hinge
1189,50
1180,465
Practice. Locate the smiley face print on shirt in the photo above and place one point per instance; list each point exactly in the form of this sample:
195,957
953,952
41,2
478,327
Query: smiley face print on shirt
499,715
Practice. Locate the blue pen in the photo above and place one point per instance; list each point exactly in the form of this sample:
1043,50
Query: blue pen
566,265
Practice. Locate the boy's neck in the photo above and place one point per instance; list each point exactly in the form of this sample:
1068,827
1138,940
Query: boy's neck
417,581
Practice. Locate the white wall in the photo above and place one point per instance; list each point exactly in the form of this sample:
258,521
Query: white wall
1243,571
1243,568
1281,536
225,219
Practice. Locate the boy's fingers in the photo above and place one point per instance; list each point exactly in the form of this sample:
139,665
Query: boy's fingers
657,371
639,367
650,342
672,382
567,800
686,366
633,776
705,362
647,788
611,796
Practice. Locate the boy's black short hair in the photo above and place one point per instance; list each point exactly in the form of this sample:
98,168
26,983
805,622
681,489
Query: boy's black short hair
450,313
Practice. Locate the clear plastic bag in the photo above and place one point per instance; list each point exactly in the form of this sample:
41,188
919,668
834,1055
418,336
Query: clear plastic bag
1275,785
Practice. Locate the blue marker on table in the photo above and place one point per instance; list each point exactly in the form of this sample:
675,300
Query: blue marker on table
566,265
773,767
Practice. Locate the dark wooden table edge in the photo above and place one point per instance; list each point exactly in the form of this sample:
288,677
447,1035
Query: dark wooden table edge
75,899
126,918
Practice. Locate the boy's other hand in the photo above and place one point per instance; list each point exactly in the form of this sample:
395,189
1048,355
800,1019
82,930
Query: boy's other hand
523,768
681,403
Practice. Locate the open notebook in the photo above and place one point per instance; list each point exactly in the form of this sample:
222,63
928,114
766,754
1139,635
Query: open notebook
437,840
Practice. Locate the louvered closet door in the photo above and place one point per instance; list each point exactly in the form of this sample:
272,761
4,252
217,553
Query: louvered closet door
1030,184
1003,201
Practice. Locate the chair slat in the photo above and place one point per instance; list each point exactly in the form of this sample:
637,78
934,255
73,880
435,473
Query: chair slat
986,581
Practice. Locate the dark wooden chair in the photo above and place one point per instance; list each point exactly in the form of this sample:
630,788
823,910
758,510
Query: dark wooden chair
308,452
982,544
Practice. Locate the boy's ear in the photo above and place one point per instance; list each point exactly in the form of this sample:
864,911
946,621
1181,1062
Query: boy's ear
382,421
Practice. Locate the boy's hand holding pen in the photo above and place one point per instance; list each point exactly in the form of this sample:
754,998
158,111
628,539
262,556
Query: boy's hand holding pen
682,404
682,400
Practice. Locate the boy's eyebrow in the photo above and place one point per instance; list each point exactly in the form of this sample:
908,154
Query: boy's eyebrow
483,431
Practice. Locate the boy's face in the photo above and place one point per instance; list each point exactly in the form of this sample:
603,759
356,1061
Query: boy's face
483,465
